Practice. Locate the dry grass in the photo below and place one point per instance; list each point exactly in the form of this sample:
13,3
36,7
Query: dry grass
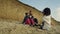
12,9
13,27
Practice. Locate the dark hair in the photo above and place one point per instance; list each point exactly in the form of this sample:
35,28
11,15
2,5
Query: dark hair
26,13
47,11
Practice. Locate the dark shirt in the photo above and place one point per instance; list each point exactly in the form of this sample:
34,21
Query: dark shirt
25,19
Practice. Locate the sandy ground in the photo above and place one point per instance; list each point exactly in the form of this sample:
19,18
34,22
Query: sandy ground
13,27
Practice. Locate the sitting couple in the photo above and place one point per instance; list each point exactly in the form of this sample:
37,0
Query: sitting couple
29,19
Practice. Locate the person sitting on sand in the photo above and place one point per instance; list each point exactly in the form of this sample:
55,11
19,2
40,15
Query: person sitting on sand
26,16
46,24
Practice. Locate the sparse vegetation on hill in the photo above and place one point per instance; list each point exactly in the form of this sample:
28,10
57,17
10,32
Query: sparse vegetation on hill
13,9
12,14
14,27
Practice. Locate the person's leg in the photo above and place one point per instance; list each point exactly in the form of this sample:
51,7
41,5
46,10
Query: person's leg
41,26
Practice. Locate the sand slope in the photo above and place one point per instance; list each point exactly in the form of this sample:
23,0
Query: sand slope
14,27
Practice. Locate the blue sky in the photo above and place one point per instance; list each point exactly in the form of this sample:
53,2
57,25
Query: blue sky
54,5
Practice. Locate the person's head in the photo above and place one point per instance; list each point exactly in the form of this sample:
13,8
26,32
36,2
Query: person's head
47,11
26,13
30,12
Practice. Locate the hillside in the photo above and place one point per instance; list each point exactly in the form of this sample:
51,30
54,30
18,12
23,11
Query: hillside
12,14
13,9
13,27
